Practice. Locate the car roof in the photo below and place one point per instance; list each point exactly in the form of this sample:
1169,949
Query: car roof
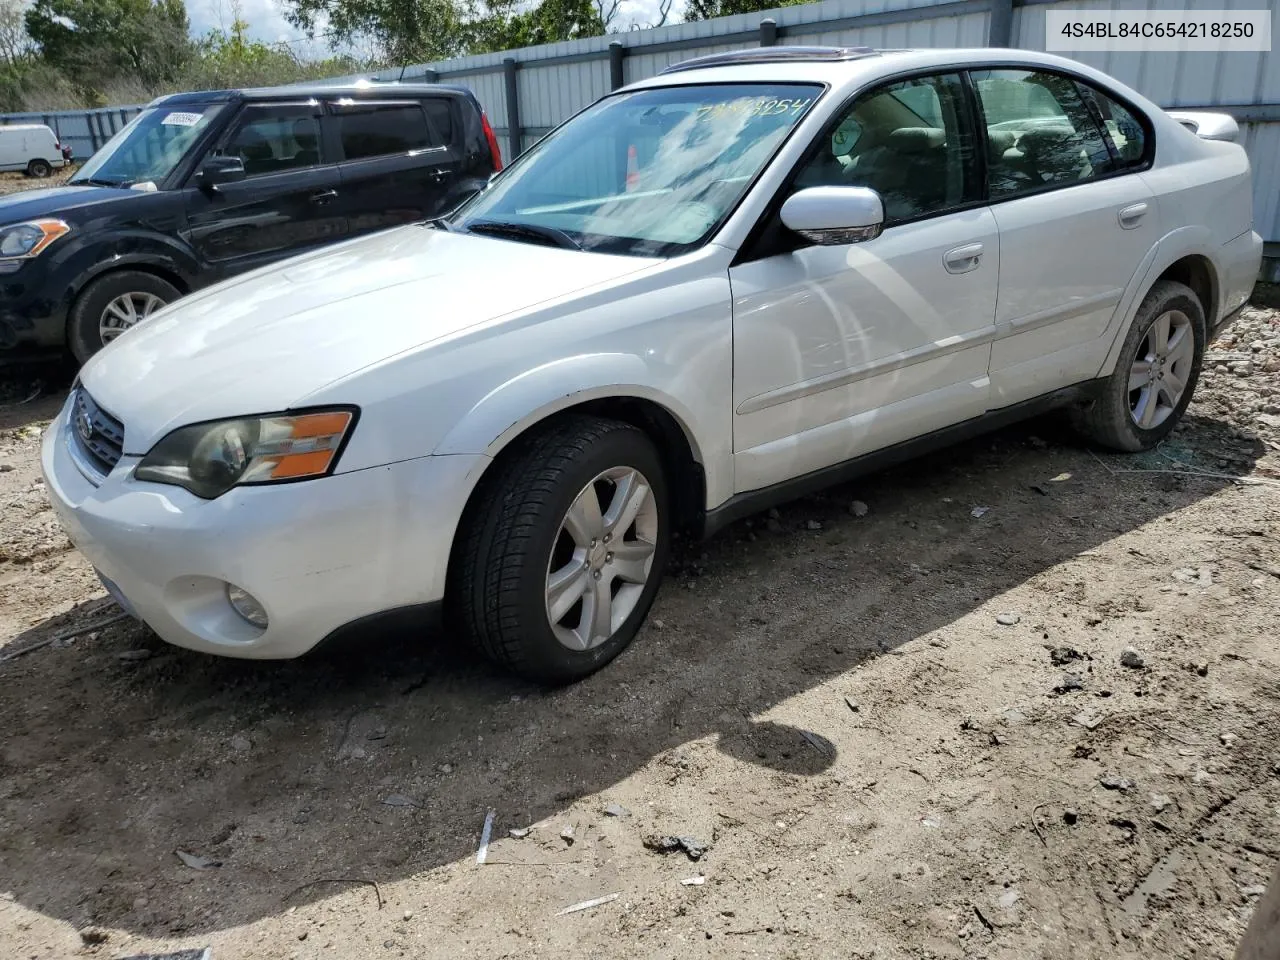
25,126
843,66
358,90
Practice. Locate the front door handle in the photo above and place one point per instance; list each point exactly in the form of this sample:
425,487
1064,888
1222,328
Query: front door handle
963,259
437,175
324,196
1131,216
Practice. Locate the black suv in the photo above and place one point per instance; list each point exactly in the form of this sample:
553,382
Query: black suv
202,186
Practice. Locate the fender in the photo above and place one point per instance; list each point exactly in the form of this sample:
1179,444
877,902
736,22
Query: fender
96,255
507,411
1168,250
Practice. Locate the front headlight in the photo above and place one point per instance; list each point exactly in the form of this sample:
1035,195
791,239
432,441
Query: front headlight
210,458
21,241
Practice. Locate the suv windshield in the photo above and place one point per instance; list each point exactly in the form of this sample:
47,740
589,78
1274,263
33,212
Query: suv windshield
149,146
649,173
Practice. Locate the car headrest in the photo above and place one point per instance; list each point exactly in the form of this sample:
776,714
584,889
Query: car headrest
304,132
1039,139
998,142
916,139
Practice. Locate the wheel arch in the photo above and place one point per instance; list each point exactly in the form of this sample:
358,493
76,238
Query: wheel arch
163,271
1185,255
661,417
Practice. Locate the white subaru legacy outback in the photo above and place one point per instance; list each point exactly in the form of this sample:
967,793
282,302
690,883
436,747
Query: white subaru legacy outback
752,276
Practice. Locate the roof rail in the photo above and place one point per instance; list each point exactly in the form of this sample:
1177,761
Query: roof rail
783,54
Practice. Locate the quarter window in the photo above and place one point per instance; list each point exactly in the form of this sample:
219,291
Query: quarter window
441,115
1127,134
272,138
384,129
1040,134
910,142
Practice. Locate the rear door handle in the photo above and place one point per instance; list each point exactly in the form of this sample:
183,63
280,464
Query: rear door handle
1132,215
324,196
963,259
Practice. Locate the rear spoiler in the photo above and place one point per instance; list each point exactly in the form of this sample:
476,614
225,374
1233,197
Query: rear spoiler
1208,126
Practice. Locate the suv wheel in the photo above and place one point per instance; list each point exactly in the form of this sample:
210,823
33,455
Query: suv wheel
39,168
1155,374
110,305
563,549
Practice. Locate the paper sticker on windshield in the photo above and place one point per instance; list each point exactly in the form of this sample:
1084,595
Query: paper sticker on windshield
182,119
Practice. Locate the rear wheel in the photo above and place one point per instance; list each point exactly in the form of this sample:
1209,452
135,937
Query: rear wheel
1155,375
110,305
39,168
563,548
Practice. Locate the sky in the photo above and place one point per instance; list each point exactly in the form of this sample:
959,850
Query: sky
267,21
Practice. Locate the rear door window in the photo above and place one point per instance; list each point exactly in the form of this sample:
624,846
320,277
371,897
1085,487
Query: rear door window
384,129
1040,133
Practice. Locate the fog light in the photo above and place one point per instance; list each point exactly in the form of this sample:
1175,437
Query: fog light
247,605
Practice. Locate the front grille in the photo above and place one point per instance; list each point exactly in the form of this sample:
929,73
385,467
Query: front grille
97,434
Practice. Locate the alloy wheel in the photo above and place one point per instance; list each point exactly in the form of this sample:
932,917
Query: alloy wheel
1161,369
602,558
124,312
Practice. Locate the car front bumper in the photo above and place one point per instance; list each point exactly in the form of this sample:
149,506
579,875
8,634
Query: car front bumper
33,306
317,555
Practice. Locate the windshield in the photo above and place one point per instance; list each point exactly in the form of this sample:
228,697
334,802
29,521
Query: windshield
149,146
649,173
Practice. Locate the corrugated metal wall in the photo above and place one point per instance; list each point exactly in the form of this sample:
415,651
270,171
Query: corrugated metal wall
553,82
83,130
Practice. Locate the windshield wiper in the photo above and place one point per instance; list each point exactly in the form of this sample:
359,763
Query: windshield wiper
96,182
500,228
440,223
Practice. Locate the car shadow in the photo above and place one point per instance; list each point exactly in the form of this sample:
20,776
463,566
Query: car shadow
379,762
31,392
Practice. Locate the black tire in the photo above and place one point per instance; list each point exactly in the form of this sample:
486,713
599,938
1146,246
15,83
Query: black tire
39,168
1107,420
83,334
498,577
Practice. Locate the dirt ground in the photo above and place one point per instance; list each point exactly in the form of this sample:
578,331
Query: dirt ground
902,734
18,182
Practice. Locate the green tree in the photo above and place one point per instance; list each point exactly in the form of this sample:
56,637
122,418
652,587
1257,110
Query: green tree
15,45
503,26
405,31
93,39
706,9
411,31
231,59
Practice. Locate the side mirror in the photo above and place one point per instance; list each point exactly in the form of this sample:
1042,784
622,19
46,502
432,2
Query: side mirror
834,215
216,170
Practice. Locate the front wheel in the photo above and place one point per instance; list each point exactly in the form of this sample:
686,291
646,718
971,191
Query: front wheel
112,304
563,549
39,169
1155,375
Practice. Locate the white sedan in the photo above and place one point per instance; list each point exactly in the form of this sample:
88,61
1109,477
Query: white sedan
750,277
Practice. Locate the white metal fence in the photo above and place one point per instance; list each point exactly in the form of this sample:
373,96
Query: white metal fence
527,92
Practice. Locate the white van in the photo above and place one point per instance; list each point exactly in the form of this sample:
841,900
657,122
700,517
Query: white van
31,147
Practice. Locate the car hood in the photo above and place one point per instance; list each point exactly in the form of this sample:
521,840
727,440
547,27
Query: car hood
264,341
51,201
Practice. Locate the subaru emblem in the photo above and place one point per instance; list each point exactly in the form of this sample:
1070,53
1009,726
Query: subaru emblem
84,425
